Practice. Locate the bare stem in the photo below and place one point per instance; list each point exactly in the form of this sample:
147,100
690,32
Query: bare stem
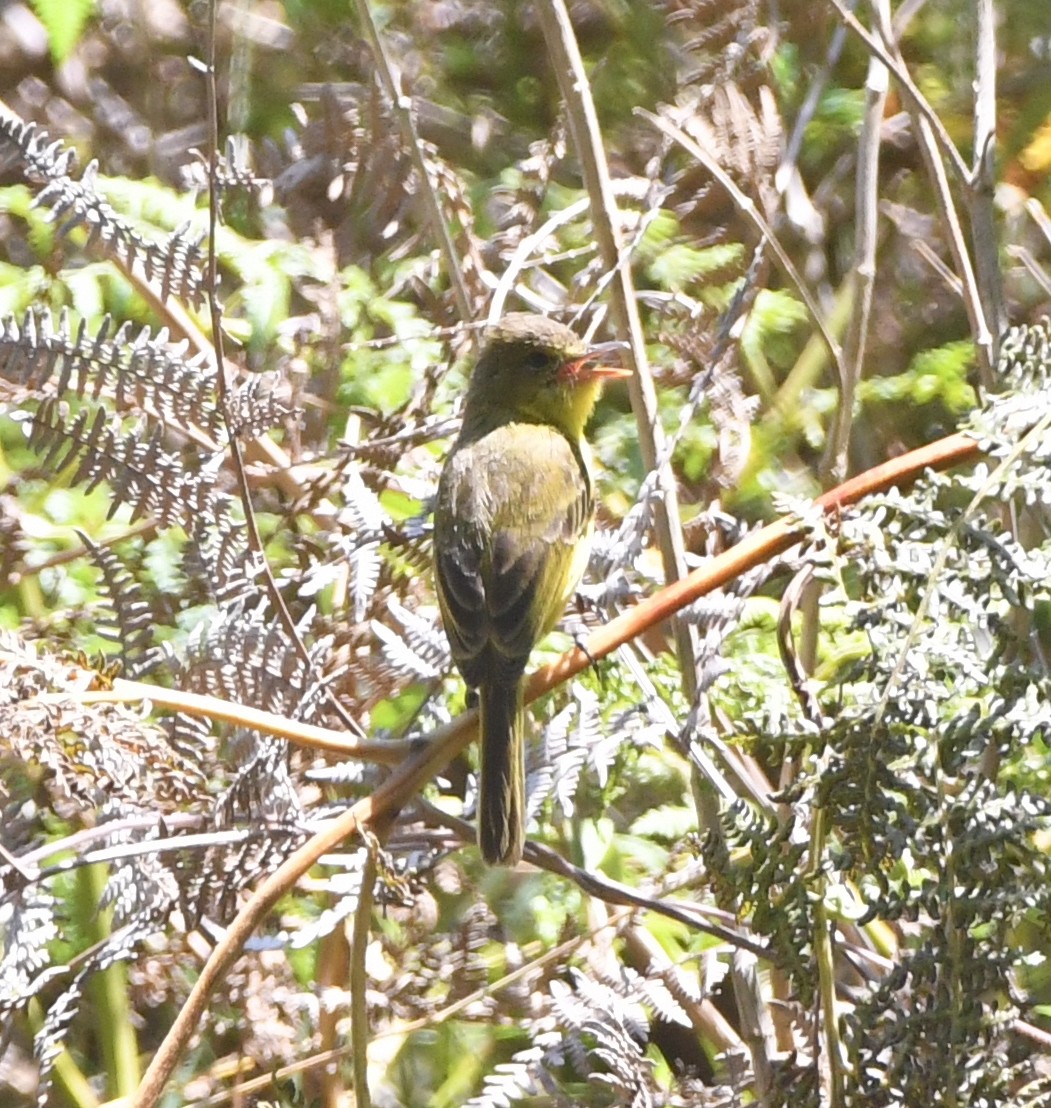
984,236
866,200
933,151
569,68
401,104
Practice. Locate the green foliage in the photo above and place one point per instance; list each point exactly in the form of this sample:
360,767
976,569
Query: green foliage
64,21
918,827
772,325
938,376
679,265
740,865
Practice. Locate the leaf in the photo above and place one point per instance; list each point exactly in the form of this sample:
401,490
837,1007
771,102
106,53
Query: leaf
676,267
938,374
64,21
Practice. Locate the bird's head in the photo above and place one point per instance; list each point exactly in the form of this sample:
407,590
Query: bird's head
537,369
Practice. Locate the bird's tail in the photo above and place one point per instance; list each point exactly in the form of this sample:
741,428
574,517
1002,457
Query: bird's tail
501,794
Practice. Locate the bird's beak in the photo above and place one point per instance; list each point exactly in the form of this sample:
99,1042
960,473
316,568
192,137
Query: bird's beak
594,365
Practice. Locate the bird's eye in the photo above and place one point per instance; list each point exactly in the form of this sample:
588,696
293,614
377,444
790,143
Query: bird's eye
536,361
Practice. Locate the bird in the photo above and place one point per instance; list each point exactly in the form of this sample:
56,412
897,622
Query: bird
513,519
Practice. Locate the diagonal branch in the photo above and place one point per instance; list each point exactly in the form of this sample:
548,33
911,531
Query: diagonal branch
935,161
388,752
914,99
863,275
401,105
587,138
378,809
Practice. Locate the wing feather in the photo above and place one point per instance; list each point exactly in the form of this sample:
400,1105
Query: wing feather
508,526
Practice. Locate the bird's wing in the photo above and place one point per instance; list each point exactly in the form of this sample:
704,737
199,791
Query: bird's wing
514,510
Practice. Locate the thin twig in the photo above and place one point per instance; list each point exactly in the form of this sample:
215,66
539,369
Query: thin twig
787,168
107,855
79,839
905,14
824,933
914,99
866,200
401,105
386,752
587,138
757,1029
711,1022
748,209
531,244
650,958
255,541
800,596
359,1009
330,977
927,254
524,251
145,528
984,236
1035,210
1032,267
700,917
529,968
935,163
787,406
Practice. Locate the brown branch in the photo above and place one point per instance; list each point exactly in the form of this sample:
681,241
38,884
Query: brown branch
753,550
378,809
390,752
712,921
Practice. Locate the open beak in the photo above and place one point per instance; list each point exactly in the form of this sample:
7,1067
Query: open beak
594,366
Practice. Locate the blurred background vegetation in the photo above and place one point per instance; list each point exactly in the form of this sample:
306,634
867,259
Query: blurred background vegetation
345,324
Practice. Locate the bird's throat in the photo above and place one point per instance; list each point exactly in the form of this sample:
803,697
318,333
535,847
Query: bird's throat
567,410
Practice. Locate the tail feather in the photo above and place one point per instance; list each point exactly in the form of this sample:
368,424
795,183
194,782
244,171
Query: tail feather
501,794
